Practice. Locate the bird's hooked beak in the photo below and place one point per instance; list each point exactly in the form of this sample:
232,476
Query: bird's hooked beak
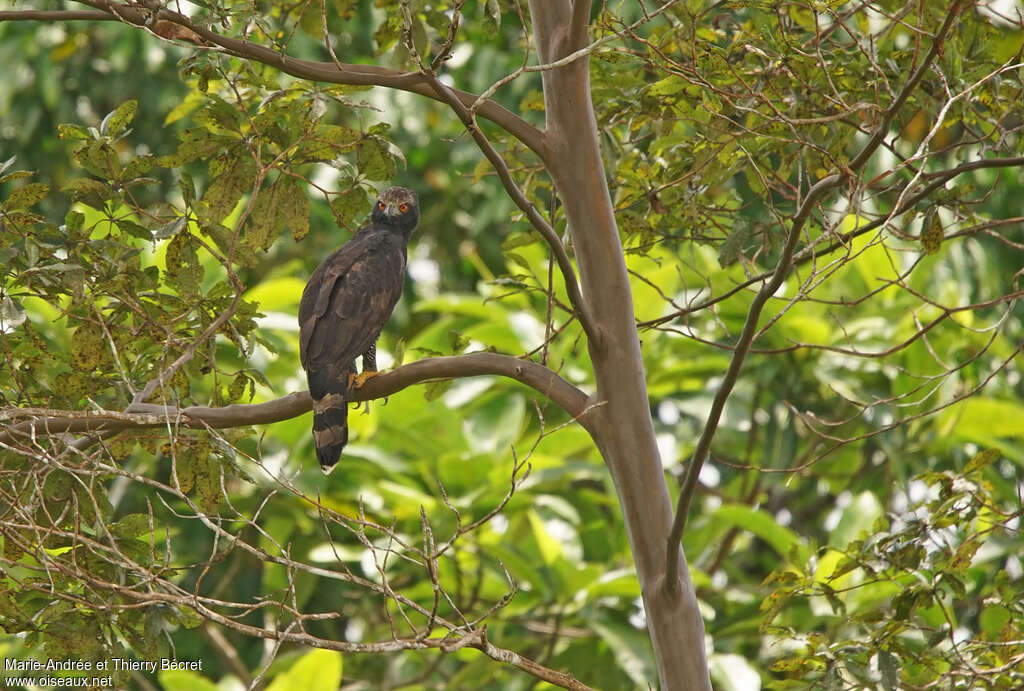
391,211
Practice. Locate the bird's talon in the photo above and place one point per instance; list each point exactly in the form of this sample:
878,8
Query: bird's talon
356,381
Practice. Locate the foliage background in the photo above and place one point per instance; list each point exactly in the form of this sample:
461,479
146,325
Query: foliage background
882,550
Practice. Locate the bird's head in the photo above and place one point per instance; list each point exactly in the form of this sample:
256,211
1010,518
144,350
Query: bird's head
397,207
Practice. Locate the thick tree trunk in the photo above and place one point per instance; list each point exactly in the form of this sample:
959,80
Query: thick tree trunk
624,431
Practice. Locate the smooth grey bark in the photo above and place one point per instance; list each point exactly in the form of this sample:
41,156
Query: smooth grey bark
625,432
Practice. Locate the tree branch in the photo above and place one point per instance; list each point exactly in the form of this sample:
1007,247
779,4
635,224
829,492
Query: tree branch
45,422
330,72
56,15
579,23
701,452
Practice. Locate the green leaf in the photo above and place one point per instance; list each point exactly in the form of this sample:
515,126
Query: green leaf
903,604
234,177
98,158
294,207
317,670
185,468
75,132
87,346
964,554
132,525
931,233
134,229
328,142
981,419
550,548
184,680
981,460
216,114
388,31
735,245
91,192
350,205
202,146
16,175
187,187
436,389
374,160
207,481
188,105
25,196
137,167
781,538
171,228
668,86
117,121
265,219
994,618
496,423
183,268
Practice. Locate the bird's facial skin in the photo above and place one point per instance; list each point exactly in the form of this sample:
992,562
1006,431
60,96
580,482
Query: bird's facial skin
397,206
391,210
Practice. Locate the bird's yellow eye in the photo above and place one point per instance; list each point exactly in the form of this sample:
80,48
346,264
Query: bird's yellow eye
380,205
403,208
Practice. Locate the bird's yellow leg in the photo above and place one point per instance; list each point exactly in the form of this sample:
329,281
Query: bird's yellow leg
356,381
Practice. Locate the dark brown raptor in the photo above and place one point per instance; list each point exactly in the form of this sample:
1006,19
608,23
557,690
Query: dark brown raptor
348,299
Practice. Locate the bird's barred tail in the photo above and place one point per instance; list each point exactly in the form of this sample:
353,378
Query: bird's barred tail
330,428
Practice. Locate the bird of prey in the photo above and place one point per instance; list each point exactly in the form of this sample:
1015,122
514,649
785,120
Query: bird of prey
348,299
